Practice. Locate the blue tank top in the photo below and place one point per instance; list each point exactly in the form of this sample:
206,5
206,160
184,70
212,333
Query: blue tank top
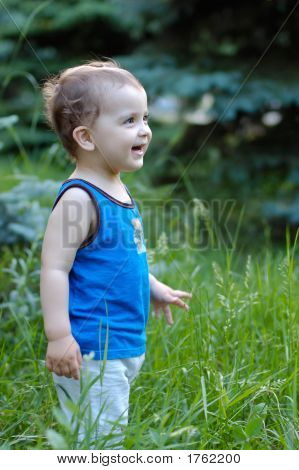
109,293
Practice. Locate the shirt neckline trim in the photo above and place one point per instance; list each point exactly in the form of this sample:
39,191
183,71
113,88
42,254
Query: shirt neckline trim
113,199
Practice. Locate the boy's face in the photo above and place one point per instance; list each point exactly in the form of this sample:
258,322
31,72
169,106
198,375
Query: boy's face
121,126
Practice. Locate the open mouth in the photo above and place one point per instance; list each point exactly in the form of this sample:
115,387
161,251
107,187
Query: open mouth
138,149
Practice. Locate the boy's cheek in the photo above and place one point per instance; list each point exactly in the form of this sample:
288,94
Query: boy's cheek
150,137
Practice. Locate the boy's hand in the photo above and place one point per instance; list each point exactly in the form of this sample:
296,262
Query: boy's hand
163,295
64,357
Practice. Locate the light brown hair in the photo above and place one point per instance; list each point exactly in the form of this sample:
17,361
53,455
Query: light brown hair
76,96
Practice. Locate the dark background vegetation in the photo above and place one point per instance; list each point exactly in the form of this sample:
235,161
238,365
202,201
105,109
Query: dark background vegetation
222,80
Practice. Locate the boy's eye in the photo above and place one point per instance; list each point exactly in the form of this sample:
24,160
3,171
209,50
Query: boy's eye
131,120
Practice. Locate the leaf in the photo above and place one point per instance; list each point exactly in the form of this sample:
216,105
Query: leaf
26,232
243,395
254,426
260,409
238,433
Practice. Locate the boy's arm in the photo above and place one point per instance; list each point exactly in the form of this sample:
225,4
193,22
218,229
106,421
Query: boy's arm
67,228
162,296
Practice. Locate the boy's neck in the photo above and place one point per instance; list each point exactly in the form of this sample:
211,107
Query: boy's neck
111,185
100,177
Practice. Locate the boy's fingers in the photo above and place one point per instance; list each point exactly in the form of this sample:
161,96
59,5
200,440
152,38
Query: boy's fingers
168,315
180,303
75,367
57,370
49,364
60,367
181,293
66,371
75,373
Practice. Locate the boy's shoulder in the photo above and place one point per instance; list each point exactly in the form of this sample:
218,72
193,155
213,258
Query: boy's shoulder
80,197
75,203
69,226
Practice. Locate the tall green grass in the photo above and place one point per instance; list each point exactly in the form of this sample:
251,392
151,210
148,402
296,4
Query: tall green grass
224,376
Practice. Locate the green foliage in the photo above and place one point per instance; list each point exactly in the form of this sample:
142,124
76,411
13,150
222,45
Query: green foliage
213,74
224,376
22,216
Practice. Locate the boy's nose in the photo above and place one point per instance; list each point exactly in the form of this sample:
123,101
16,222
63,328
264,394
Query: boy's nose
144,129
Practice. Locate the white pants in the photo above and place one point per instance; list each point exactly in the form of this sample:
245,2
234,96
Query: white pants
96,406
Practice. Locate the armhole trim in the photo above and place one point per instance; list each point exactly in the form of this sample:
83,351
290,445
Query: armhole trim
91,237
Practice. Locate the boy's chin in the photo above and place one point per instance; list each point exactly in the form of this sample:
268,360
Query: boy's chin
134,167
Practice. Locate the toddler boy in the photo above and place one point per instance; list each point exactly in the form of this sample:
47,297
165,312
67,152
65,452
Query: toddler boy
95,284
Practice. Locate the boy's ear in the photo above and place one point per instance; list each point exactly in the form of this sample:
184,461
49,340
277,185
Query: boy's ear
83,138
